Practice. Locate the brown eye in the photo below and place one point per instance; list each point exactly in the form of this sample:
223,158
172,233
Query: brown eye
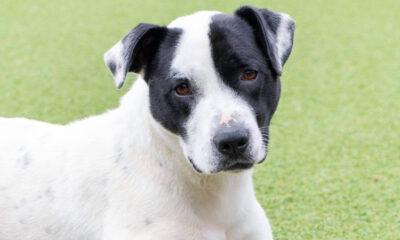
183,89
249,75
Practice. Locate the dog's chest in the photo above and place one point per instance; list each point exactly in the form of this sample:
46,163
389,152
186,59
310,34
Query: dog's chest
162,205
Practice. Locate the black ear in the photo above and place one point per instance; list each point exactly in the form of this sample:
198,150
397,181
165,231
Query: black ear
134,51
274,32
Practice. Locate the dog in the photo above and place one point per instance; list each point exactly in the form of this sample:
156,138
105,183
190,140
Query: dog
175,159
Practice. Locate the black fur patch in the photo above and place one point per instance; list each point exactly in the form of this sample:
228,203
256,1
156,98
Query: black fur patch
168,108
141,43
234,49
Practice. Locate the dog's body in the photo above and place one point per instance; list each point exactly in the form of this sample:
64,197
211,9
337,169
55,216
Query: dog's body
126,188
122,175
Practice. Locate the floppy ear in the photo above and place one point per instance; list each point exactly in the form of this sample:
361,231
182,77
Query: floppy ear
134,51
274,32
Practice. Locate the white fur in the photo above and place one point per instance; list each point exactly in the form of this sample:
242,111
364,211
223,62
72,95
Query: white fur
122,176
283,37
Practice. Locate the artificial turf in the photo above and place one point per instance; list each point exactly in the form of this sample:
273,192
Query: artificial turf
333,171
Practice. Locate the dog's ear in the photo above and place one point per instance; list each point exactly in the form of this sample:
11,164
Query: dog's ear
274,32
134,51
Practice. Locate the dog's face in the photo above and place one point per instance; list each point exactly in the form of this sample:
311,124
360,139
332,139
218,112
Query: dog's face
213,80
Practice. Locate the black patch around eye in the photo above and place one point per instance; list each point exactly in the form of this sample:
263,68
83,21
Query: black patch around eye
234,49
169,109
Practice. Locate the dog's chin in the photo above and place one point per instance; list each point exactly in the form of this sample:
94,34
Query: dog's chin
228,166
238,167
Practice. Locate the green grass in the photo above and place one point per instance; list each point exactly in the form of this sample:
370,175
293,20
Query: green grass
337,126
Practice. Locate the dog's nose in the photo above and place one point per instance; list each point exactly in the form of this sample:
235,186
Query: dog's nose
232,142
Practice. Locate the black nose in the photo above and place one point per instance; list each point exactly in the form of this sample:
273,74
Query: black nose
232,142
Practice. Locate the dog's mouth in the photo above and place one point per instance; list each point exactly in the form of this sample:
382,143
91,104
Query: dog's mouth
239,166
236,167
229,165
197,169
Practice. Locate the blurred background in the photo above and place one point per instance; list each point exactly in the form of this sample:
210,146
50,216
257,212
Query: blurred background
334,163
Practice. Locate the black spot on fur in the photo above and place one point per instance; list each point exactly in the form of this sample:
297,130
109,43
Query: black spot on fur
49,230
49,194
148,221
23,221
118,155
24,159
125,169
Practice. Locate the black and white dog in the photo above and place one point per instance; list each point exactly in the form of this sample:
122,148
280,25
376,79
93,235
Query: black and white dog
174,160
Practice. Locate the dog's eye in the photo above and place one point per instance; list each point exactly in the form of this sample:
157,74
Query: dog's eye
248,75
183,89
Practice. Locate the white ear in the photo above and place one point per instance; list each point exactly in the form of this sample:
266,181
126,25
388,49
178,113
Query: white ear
132,53
275,32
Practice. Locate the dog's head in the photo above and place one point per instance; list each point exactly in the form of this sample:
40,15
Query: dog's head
213,80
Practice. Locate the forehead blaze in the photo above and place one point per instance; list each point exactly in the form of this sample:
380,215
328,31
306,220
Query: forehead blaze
183,54
193,54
